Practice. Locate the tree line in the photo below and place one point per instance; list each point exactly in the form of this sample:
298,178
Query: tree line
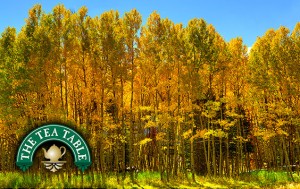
157,97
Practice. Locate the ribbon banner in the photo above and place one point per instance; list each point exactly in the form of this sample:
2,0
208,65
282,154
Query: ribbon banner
53,132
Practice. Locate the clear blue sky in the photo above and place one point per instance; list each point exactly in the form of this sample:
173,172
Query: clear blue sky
231,18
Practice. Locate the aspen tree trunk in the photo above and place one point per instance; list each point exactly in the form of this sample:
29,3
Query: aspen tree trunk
287,160
66,91
227,158
168,156
274,159
176,156
170,131
61,88
184,168
208,151
223,93
281,154
206,156
101,151
160,153
1,155
214,154
220,158
298,152
210,126
204,146
124,134
192,160
74,104
239,149
131,129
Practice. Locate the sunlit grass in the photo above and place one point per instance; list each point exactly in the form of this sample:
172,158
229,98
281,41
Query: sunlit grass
269,178
148,180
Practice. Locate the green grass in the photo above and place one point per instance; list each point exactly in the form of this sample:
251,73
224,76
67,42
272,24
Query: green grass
147,180
269,178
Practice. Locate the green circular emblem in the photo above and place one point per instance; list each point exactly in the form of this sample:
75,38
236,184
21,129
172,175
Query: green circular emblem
53,132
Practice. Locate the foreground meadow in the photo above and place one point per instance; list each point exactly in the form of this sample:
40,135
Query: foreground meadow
255,179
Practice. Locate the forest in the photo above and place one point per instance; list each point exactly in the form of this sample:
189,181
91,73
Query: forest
175,99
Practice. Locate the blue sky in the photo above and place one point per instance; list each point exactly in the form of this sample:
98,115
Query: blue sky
231,18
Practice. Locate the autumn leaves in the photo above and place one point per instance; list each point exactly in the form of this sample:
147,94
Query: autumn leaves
149,95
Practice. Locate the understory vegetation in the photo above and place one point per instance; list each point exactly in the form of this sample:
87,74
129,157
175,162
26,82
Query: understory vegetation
255,179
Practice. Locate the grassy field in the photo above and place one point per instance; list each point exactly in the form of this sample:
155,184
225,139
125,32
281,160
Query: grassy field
255,179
